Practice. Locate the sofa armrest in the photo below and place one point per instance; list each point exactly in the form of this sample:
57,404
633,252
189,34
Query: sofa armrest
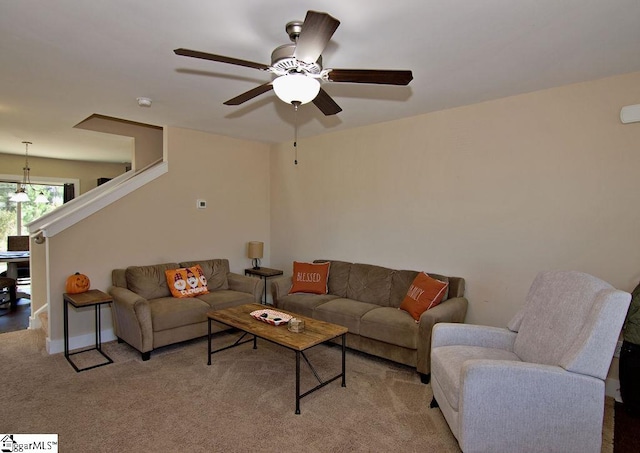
132,318
245,284
446,334
451,310
279,288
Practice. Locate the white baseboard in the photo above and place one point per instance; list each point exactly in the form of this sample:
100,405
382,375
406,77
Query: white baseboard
80,341
612,388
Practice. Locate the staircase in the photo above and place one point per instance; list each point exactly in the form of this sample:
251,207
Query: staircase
44,322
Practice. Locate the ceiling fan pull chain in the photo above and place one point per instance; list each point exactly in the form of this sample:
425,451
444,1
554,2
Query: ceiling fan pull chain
296,104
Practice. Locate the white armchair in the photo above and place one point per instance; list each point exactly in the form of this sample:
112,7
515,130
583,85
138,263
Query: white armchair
537,386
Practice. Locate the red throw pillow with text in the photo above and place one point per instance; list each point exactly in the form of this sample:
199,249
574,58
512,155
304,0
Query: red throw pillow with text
424,293
310,278
186,282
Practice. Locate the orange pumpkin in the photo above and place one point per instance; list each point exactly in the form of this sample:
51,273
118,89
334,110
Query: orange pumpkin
77,283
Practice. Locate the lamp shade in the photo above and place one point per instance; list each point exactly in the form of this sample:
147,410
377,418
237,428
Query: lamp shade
20,196
296,87
255,249
41,198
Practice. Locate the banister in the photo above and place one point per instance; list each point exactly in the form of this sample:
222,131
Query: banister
90,202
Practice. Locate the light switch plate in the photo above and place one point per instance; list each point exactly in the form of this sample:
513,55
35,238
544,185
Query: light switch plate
201,204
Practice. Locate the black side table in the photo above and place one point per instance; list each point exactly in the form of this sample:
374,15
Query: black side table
265,273
95,298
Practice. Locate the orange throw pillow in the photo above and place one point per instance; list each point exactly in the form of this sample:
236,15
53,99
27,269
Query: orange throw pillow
310,278
186,281
424,293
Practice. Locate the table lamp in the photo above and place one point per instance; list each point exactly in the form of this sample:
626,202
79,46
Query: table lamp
255,251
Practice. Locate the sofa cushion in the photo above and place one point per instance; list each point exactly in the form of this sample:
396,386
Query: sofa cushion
186,281
304,304
338,276
370,284
424,293
149,282
169,312
215,272
400,282
309,278
225,298
345,312
390,325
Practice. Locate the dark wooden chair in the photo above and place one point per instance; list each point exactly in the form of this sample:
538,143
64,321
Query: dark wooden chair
8,293
20,244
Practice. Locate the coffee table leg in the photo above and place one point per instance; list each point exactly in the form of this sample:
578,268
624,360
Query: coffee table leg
297,382
209,342
344,374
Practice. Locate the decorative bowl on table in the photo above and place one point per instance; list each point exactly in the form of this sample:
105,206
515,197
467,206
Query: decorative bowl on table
272,317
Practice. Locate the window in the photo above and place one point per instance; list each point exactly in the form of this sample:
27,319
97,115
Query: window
15,216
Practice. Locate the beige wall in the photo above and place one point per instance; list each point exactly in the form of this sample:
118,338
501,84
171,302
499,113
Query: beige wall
160,223
87,172
147,138
493,192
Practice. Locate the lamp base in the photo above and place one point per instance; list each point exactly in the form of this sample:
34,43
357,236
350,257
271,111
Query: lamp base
256,263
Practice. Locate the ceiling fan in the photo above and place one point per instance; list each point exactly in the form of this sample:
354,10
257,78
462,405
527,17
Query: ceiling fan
298,66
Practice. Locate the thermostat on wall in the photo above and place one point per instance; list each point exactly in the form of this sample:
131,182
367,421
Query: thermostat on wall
630,114
202,204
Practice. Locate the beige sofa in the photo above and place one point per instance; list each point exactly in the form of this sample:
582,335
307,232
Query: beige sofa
147,316
365,298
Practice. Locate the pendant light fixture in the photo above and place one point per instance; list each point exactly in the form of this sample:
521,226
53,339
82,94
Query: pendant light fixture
21,195
41,198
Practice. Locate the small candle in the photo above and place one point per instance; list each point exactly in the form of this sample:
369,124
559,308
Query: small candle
296,325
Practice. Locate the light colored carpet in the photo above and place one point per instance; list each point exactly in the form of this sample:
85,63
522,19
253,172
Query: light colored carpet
243,402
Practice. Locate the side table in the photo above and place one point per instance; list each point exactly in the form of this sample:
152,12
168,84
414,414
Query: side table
95,298
265,273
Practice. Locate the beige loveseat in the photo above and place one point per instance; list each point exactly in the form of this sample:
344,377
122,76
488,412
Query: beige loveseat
147,316
365,299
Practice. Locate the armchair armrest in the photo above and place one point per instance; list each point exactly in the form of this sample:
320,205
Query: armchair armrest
490,386
279,288
245,284
447,334
132,318
451,310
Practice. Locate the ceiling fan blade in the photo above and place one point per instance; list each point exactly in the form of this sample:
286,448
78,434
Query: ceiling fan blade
380,76
326,104
248,95
317,30
220,58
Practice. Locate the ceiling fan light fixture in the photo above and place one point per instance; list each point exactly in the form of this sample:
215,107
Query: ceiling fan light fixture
296,87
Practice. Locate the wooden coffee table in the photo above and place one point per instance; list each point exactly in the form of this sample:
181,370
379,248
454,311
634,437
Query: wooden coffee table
315,332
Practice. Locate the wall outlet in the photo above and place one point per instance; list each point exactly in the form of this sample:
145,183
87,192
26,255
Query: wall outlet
616,353
201,204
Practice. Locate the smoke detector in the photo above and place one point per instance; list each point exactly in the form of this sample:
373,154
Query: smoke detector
144,102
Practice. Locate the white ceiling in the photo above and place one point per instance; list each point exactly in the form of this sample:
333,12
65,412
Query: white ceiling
64,60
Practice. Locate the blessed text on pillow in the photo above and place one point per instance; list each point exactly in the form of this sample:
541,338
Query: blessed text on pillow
310,278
